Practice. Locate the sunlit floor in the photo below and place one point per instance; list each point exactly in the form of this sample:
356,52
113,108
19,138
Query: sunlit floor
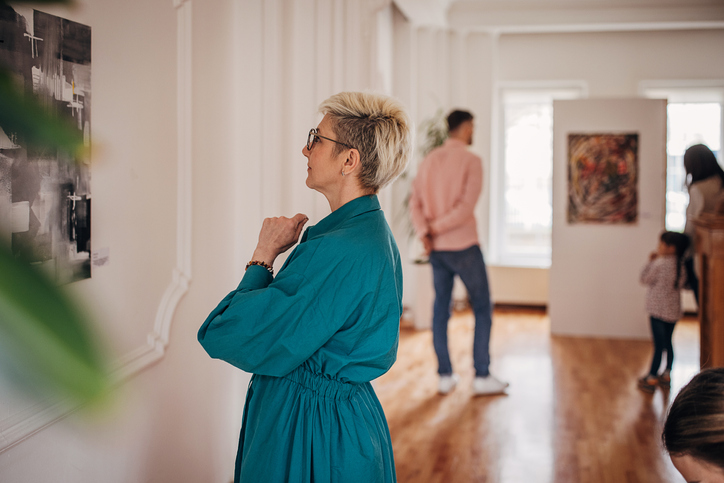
573,412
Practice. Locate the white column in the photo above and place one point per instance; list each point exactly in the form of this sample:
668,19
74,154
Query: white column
301,105
274,135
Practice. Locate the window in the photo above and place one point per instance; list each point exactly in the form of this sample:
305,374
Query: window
523,211
694,115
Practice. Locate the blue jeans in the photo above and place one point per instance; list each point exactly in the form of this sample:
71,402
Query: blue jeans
662,333
468,264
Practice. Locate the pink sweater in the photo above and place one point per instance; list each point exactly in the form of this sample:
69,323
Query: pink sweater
444,195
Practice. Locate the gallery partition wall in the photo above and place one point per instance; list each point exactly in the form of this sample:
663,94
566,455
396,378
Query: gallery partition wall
609,160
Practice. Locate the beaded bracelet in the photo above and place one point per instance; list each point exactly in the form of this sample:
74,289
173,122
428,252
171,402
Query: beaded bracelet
261,264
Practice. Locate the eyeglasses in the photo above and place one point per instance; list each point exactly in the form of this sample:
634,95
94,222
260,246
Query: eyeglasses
312,138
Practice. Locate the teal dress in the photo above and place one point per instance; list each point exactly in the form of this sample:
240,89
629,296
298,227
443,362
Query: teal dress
314,337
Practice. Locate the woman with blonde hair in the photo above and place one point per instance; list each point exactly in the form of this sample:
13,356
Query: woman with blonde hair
315,335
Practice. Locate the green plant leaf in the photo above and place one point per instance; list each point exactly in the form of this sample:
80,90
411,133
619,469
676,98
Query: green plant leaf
45,337
434,132
46,2
46,342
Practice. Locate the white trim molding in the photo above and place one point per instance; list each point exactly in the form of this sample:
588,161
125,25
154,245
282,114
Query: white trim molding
684,90
158,338
29,421
476,17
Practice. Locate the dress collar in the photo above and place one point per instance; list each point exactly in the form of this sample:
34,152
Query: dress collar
353,208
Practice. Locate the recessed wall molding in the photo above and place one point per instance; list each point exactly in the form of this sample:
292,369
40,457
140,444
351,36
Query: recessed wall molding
157,339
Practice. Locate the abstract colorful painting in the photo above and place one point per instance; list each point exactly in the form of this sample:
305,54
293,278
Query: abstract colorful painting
603,178
45,194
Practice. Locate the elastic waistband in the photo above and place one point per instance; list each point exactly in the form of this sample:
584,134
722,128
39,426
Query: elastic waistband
321,384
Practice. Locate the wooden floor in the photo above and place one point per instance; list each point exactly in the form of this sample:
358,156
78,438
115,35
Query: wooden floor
573,412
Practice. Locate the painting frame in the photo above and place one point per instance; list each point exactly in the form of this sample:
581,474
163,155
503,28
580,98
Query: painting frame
46,194
603,174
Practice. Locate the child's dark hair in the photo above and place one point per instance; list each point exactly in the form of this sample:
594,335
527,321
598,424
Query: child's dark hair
695,423
680,242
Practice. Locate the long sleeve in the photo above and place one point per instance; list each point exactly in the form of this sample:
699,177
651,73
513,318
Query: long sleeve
419,222
334,307
262,330
464,207
270,327
649,272
693,209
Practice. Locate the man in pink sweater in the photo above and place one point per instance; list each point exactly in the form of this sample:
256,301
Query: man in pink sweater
442,205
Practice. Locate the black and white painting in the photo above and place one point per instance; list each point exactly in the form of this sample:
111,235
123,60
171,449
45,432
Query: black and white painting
45,200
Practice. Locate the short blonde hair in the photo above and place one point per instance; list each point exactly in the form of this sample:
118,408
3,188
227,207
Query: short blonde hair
378,127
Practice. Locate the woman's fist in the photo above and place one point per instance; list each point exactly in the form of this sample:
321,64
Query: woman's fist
278,235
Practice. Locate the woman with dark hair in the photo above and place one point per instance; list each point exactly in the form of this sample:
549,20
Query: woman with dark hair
705,181
694,429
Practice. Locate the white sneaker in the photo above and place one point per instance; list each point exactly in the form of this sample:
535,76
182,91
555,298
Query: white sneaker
484,386
447,383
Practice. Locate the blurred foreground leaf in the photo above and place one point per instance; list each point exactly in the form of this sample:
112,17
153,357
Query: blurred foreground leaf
24,114
45,338
46,342
54,2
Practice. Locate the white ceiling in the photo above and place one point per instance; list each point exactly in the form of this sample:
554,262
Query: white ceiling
564,15
553,4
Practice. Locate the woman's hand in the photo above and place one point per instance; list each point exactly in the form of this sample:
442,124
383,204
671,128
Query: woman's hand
278,235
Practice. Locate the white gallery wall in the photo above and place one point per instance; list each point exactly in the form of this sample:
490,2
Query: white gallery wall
594,275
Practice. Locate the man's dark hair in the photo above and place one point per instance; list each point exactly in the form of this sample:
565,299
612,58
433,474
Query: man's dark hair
455,118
